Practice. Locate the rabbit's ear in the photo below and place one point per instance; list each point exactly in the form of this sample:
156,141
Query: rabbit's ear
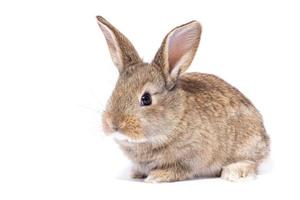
177,51
121,50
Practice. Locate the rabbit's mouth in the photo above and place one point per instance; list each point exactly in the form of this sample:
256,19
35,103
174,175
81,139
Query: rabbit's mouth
120,137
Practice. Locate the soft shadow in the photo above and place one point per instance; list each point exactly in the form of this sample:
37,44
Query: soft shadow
266,166
124,175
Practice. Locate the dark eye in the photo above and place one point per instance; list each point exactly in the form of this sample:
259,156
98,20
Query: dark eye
146,99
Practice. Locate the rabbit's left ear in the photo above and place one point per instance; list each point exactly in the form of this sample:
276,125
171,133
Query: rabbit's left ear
177,51
121,50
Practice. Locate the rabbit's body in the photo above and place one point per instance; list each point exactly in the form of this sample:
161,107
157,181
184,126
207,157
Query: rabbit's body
175,125
219,126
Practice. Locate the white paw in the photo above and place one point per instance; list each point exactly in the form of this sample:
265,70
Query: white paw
230,176
236,175
238,171
151,179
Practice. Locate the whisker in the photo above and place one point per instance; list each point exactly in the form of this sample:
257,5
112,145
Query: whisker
90,108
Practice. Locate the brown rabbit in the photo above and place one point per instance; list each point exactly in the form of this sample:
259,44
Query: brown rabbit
174,125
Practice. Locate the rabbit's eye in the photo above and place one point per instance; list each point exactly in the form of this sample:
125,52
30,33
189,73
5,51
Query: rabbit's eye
146,99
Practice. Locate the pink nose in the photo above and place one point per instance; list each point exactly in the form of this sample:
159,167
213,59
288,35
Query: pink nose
107,123
110,125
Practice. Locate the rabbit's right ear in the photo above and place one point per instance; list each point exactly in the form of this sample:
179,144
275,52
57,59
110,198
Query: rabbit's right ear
177,51
121,50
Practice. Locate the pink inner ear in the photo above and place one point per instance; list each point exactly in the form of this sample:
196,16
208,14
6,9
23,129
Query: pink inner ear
109,38
180,43
113,46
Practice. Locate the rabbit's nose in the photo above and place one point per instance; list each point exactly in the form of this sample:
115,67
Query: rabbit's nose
108,124
117,125
115,128
114,125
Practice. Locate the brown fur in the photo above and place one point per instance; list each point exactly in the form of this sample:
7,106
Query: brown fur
198,126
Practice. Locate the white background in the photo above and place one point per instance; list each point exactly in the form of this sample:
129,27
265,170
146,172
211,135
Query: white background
56,75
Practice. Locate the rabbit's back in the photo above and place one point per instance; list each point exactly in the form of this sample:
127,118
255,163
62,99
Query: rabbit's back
220,112
210,87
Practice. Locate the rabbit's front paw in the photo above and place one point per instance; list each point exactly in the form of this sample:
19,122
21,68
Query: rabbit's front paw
239,171
163,175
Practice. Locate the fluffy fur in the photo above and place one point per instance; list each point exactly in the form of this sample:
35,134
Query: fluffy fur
197,125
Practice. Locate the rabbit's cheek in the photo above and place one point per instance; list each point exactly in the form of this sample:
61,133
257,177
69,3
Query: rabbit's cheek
132,128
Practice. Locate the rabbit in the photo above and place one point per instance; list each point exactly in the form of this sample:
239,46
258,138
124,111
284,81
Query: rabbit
176,126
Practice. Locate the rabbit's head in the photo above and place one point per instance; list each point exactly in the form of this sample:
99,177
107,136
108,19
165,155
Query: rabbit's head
146,105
